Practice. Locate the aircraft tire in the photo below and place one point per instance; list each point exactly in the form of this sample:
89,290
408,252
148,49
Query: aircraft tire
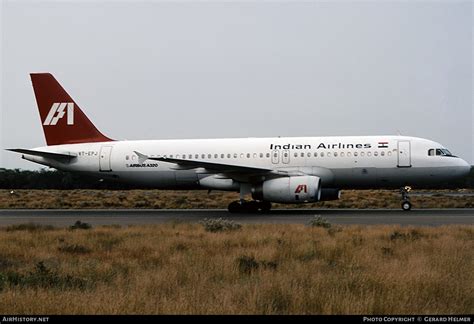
265,206
235,207
406,205
251,206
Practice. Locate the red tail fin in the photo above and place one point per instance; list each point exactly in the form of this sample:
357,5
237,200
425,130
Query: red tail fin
63,121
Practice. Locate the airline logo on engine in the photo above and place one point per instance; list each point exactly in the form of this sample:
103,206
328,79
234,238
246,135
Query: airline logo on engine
301,188
57,111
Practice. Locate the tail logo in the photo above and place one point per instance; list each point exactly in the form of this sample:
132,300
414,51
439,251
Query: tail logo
57,111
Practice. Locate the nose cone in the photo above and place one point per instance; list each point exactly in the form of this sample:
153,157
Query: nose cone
463,168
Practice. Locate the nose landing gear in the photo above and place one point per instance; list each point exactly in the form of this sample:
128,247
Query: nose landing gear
406,204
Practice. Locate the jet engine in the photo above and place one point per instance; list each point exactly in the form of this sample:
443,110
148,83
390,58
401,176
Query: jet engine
296,189
218,183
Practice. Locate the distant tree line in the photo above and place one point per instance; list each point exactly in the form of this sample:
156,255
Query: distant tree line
55,179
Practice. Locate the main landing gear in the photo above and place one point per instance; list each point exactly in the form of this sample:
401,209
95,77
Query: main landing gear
253,206
246,206
406,204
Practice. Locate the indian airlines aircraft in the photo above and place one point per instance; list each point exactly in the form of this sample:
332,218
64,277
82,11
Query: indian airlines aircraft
290,170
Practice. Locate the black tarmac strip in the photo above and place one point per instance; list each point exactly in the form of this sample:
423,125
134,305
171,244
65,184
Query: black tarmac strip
67,217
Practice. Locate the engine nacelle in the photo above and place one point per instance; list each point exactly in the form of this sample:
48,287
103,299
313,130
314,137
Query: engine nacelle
217,183
297,189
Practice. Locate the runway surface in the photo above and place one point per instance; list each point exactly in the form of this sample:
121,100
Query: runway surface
67,217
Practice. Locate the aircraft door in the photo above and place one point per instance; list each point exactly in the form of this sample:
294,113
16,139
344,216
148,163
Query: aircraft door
285,157
275,156
404,154
104,158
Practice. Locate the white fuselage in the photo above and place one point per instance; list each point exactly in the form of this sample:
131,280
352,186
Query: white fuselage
340,162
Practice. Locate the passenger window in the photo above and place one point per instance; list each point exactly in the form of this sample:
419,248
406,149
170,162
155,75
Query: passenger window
171,156
209,156
235,155
382,153
228,156
285,154
329,154
296,154
248,155
127,157
389,153
309,154
241,155
315,154
261,155
369,153
355,154
268,155
362,153
203,156
222,156
376,153
322,154
255,155
196,156
302,154
335,154
342,154
349,154
431,152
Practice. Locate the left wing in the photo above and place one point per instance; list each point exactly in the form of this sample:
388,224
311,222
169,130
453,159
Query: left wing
219,167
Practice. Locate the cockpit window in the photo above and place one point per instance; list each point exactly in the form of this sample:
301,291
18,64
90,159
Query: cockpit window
446,152
442,152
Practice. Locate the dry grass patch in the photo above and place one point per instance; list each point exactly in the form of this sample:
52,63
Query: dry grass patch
163,199
181,268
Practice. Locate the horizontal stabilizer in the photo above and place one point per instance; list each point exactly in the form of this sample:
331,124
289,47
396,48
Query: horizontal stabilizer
48,155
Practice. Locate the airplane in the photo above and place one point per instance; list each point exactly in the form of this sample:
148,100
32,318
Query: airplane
288,170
